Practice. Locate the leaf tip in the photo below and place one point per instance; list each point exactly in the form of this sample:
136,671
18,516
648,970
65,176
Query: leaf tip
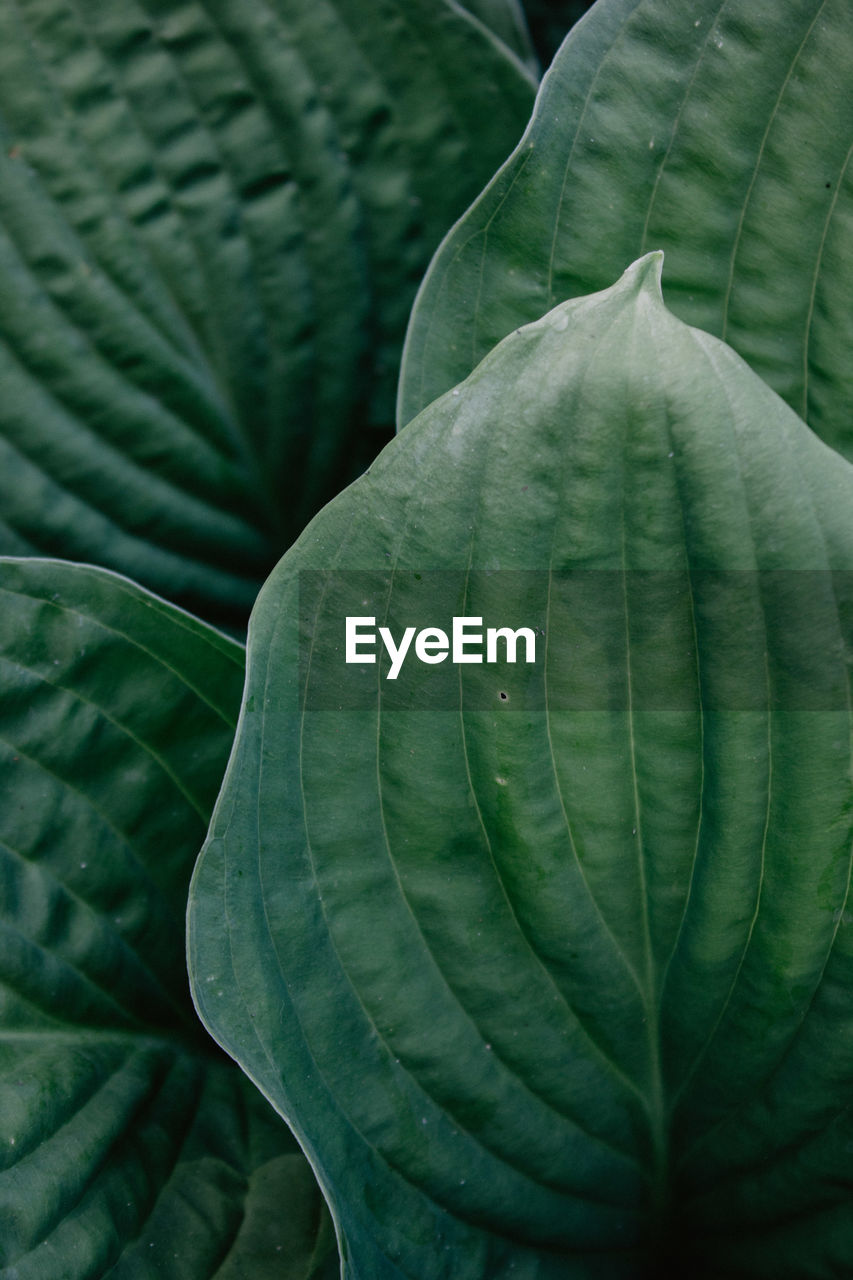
644,275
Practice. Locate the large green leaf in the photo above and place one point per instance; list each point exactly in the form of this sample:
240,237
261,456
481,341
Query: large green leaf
551,968
128,1145
719,132
213,219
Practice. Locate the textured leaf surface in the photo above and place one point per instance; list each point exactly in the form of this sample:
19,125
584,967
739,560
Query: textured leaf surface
721,133
212,223
562,992
128,1146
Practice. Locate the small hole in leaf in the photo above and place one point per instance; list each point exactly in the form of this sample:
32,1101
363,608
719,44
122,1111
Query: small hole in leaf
503,696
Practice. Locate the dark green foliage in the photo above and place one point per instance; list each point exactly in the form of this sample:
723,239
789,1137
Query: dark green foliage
546,963
567,949
130,1147
212,224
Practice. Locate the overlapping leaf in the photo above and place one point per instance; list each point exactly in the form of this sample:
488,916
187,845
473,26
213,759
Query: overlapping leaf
213,219
128,1146
719,132
551,971
506,18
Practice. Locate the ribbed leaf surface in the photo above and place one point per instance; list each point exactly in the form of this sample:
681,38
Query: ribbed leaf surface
720,133
128,1146
213,219
552,974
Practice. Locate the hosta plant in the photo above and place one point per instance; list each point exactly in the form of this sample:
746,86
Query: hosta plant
545,963
128,1145
213,219
719,133
550,970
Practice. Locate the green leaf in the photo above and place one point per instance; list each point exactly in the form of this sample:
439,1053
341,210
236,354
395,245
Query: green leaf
551,973
506,18
213,220
722,134
128,1145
